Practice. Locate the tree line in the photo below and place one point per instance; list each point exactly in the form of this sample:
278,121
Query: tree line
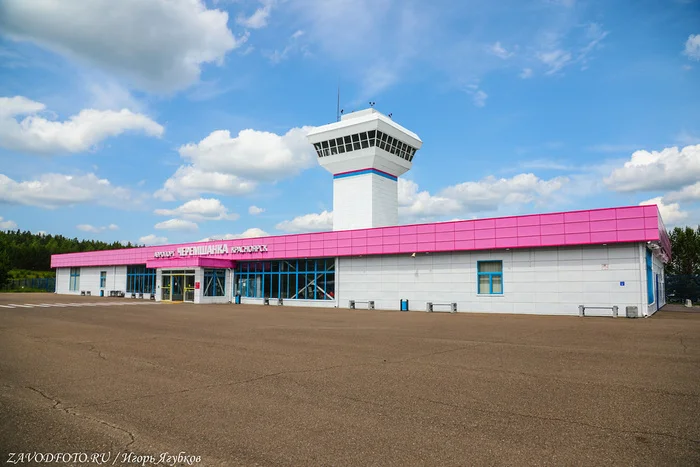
27,251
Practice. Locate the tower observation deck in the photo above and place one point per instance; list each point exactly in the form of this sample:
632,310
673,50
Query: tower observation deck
366,152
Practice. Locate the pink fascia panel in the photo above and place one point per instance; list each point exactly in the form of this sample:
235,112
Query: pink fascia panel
425,229
461,226
391,249
510,242
344,234
603,214
344,243
577,227
408,230
631,235
359,234
425,237
375,233
528,220
651,222
506,232
626,213
548,219
291,239
578,216
444,236
630,223
445,227
651,210
346,251
534,240
529,231
392,240
304,245
464,245
407,247
330,251
374,249
409,238
484,234
374,241
652,234
484,244
330,243
359,242
484,224
551,229
603,226
389,231
552,240
464,235
604,237
506,222
445,246
578,238
359,250
425,246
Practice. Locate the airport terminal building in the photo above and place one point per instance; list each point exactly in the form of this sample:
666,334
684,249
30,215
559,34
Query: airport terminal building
550,263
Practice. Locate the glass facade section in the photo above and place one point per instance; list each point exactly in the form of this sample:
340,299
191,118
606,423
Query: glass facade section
365,140
103,279
140,279
303,279
214,282
74,279
490,277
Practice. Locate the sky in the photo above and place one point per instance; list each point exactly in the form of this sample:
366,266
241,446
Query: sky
163,121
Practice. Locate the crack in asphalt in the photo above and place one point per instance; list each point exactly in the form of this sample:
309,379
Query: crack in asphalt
70,411
97,351
556,419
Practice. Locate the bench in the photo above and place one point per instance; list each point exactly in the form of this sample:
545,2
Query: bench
116,293
429,306
582,309
370,304
266,301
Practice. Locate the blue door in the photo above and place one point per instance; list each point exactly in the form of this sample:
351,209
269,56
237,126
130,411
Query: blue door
657,292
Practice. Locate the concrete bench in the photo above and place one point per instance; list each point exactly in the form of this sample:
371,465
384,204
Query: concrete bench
430,305
370,304
582,309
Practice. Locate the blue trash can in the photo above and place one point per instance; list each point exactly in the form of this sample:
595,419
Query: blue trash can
102,293
237,299
404,304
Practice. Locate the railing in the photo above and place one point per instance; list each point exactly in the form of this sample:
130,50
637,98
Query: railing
47,284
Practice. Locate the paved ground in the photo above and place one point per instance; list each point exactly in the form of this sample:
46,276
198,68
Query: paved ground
245,385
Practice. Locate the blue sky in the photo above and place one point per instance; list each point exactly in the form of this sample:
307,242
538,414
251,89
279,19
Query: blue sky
157,121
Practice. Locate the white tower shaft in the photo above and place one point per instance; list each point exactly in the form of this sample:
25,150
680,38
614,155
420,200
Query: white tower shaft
366,152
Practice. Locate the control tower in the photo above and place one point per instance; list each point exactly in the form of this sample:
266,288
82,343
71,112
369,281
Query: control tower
366,152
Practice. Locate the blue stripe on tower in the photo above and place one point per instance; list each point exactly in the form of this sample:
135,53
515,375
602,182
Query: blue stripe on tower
352,173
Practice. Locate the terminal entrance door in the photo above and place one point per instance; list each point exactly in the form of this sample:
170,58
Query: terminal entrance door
178,286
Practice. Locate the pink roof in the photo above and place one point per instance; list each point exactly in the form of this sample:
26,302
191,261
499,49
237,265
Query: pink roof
590,227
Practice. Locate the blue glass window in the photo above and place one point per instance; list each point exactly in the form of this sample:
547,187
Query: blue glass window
214,282
489,277
303,279
140,279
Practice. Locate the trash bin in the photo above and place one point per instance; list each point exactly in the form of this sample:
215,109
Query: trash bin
237,298
404,304
102,293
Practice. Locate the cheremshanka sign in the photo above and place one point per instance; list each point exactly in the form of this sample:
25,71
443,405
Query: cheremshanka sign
207,250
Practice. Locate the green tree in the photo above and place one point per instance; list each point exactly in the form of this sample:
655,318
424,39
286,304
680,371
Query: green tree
4,266
685,251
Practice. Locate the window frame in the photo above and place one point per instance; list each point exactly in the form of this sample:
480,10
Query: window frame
490,275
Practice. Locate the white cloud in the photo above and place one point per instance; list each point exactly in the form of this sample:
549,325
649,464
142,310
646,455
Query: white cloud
554,59
478,95
692,47
234,165
487,195
77,134
56,190
151,240
7,224
254,210
669,168
189,181
308,223
249,233
158,45
688,193
93,229
257,20
294,45
526,73
499,51
670,213
202,209
176,224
